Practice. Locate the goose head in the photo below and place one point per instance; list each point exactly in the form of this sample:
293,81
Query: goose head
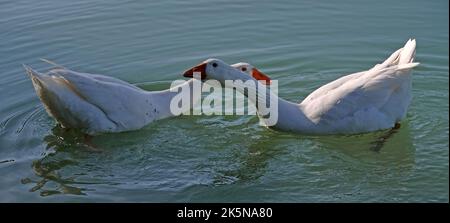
252,71
221,71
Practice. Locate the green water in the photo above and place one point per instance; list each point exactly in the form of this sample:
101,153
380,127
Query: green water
303,44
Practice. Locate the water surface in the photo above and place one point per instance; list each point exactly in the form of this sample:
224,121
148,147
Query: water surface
303,44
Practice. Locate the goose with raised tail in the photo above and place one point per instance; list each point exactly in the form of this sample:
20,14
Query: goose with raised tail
362,102
97,104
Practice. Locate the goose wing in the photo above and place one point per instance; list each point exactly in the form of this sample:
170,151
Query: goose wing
365,92
121,102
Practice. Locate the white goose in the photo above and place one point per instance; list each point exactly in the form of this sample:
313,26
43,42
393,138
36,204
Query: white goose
97,104
366,101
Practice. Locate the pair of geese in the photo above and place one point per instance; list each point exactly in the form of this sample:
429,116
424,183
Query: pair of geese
362,102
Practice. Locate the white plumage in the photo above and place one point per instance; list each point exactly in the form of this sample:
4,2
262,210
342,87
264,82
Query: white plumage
365,101
96,103
361,102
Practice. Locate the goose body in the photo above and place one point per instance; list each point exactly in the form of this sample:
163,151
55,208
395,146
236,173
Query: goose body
97,103
366,101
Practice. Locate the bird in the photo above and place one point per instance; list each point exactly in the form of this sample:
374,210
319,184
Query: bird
361,102
97,104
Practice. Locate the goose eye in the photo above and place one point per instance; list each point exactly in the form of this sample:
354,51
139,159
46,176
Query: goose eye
214,64
244,69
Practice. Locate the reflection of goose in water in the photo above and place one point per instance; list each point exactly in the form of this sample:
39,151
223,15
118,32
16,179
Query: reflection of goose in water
72,171
382,149
136,158
48,168
389,147
252,162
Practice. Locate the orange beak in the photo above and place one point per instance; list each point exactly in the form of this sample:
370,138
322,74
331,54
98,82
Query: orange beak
258,75
201,68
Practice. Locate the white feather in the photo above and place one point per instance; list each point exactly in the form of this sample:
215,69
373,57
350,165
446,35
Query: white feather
96,103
